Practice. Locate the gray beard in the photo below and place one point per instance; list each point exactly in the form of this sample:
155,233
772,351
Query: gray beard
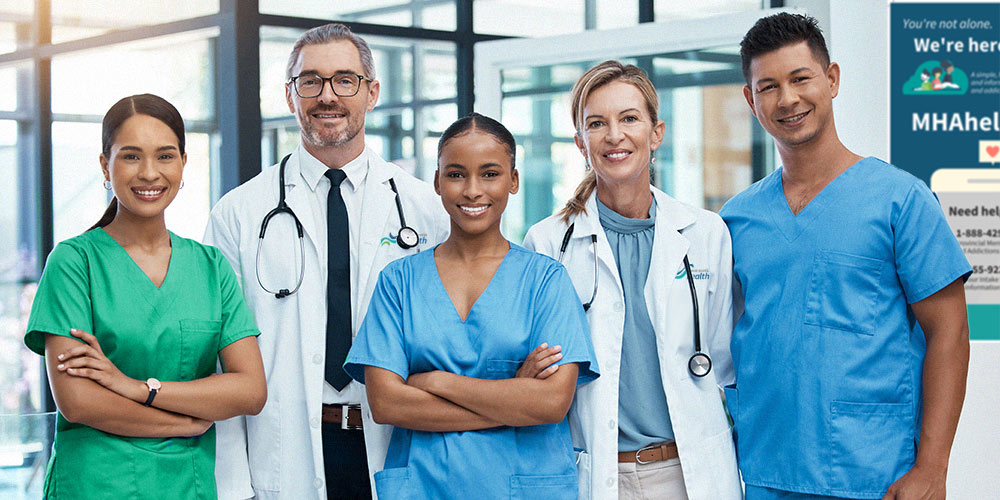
313,136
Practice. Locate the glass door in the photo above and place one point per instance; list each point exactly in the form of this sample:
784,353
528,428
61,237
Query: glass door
713,147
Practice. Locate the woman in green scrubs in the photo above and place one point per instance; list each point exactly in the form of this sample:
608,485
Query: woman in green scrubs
132,319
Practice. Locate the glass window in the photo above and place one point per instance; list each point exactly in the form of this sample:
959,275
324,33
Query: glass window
431,14
73,19
16,24
416,98
667,11
528,18
177,67
8,80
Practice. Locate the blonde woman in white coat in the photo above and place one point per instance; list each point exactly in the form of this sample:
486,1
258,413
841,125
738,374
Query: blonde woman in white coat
651,426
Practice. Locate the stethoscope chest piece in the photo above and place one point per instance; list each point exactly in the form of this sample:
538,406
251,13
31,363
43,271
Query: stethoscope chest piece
700,364
407,237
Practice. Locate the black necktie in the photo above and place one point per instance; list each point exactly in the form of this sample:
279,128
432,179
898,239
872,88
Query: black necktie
338,283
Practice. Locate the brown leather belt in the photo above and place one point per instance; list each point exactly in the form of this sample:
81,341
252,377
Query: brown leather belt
347,416
651,453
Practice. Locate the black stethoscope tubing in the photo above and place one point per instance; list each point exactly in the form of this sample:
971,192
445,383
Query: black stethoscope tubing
699,364
406,238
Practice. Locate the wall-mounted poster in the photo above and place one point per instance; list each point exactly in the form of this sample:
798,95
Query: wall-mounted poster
945,129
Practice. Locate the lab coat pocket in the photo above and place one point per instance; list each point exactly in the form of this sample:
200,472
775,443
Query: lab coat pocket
866,441
502,368
732,405
199,347
582,473
842,292
548,487
392,484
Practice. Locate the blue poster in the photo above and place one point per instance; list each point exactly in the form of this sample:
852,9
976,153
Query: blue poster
945,129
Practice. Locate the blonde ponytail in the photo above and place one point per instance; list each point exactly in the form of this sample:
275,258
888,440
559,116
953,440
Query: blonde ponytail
578,203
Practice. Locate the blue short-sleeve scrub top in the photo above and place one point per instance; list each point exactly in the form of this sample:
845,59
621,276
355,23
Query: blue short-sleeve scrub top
828,354
413,327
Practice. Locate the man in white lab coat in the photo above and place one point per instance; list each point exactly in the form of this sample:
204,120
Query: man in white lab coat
309,287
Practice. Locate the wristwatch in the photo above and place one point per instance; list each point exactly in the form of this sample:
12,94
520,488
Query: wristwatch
153,385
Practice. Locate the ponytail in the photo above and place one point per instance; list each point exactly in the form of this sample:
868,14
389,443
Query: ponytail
578,203
109,215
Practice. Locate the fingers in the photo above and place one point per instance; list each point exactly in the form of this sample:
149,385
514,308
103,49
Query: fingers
90,339
80,350
80,362
548,372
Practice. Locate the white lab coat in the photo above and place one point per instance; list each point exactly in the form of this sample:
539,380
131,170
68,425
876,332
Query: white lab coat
702,432
279,452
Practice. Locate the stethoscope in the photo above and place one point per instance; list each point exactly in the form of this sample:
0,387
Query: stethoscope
700,363
407,237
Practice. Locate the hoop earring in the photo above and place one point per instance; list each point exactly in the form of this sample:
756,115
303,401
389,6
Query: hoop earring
182,185
107,185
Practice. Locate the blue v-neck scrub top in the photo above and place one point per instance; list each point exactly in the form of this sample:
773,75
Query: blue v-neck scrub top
413,327
172,333
828,354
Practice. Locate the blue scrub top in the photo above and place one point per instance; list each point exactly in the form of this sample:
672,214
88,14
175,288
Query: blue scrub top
828,354
413,327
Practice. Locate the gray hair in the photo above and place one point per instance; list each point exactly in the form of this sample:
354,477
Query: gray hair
331,33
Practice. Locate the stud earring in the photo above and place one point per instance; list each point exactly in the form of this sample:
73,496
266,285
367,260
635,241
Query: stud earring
107,185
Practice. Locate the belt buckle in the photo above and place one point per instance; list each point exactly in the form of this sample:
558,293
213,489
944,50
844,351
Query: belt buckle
345,410
640,450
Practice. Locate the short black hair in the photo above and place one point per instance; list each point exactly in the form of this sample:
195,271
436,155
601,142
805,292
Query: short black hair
780,30
476,121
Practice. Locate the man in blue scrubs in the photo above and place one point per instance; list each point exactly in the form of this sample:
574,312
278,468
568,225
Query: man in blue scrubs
852,349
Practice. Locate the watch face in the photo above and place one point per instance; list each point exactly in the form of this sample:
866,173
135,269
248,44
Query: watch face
153,384
408,237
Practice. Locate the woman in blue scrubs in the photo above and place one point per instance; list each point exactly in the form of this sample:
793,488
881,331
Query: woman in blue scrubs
445,335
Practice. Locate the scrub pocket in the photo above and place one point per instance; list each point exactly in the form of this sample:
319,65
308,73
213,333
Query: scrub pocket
199,350
582,473
526,487
499,369
871,444
392,483
842,292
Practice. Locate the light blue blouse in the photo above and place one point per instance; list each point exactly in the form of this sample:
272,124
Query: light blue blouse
643,413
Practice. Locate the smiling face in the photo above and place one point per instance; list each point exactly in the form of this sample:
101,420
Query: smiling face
329,120
791,94
617,134
144,166
474,179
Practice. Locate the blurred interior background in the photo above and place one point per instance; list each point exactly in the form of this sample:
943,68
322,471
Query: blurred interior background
63,63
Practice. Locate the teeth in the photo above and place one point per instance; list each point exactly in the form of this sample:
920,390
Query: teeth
616,156
793,118
149,193
473,210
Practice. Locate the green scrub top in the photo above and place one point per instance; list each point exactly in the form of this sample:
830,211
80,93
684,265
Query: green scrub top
172,333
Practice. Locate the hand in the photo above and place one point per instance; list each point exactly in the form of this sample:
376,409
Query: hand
920,483
540,363
89,361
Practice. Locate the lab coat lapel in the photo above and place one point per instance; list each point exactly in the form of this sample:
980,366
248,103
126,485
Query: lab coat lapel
378,205
590,223
669,249
297,197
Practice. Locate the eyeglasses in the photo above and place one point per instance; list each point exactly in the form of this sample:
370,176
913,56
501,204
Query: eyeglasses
343,84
